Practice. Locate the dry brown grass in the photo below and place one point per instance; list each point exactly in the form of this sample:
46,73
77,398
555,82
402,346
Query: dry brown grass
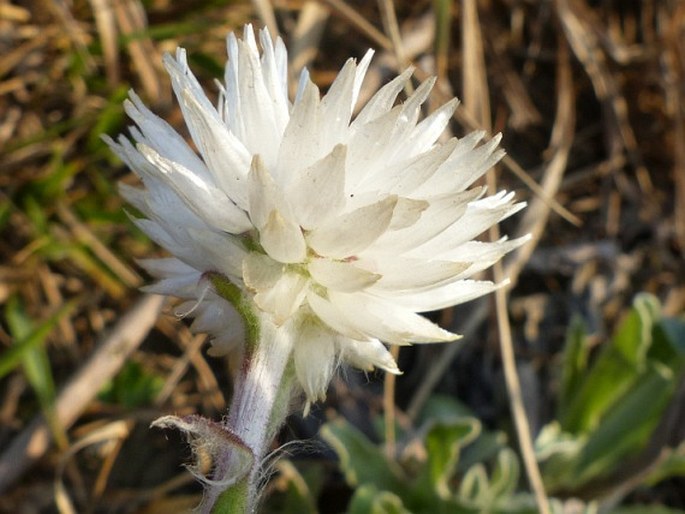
590,97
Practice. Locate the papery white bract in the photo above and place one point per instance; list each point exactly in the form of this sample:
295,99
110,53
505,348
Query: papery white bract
344,227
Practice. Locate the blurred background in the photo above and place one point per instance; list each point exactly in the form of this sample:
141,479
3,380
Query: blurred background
590,98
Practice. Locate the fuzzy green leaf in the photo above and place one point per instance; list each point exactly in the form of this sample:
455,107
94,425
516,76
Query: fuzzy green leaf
369,500
618,367
360,460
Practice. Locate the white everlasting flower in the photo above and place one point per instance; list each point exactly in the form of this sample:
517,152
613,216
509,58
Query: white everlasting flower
343,227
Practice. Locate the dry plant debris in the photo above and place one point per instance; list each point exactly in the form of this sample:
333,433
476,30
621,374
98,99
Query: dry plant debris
590,96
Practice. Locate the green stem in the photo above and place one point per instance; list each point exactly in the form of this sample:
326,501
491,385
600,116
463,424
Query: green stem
260,404
243,496
233,500
233,295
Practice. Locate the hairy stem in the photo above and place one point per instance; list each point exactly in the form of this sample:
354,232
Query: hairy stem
258,409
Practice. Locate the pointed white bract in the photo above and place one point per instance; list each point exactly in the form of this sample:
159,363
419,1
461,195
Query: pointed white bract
346,226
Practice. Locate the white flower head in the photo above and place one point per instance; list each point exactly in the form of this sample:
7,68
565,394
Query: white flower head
346,227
